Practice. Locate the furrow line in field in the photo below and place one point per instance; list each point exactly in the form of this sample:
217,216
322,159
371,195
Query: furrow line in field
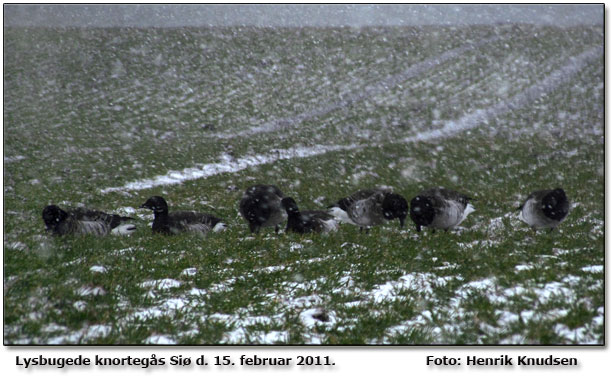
355,97
229,164
468,121
520,100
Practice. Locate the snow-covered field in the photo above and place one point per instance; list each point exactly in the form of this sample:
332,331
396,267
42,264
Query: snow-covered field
198,115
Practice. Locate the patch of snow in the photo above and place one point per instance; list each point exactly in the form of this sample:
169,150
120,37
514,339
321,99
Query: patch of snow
17,246
295,246
166,308
161,284
81,336
520,268
98,269
317,317
15,158
594,269
159,339
79,305
126,210
238,164
90,290
189,272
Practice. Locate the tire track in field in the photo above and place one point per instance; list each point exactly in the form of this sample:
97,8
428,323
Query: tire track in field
468,121
358,96
522,99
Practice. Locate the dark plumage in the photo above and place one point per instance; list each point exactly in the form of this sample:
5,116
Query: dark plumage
84,221
545,208
304,222
439,208
261,207
180,221
370,207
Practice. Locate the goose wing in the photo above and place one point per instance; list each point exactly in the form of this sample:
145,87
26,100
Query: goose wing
363,194
192,221
111,220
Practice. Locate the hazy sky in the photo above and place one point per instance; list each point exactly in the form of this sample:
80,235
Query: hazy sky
296,15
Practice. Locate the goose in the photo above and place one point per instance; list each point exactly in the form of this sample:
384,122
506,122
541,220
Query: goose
81,221
261,207
545,209
180,221
439,208
307,221
370,207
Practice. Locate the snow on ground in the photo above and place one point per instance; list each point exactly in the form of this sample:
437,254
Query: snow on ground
9,159
159,340
98,269
466,122
229,166
161,284
352,98
194,300
90,290
314,315
536,295
450,316
524,98
594,269
189,272
89,333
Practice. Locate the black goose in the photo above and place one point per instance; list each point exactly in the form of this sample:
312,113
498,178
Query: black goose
83,221
545,209
261,207
180,221
304,222
439,208
370,207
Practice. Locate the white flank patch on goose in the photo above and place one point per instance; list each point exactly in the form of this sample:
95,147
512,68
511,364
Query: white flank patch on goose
219,227
468,210
126,229
340,215
451,128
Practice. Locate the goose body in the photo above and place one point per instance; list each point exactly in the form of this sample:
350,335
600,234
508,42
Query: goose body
81,221
261,207
180,221
439,208
545,208
307,221
370,207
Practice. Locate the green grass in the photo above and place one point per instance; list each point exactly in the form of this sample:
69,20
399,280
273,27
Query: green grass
82,122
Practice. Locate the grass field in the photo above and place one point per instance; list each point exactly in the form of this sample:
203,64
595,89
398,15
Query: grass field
108,117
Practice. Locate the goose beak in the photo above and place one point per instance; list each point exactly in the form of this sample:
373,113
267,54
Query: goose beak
401,222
